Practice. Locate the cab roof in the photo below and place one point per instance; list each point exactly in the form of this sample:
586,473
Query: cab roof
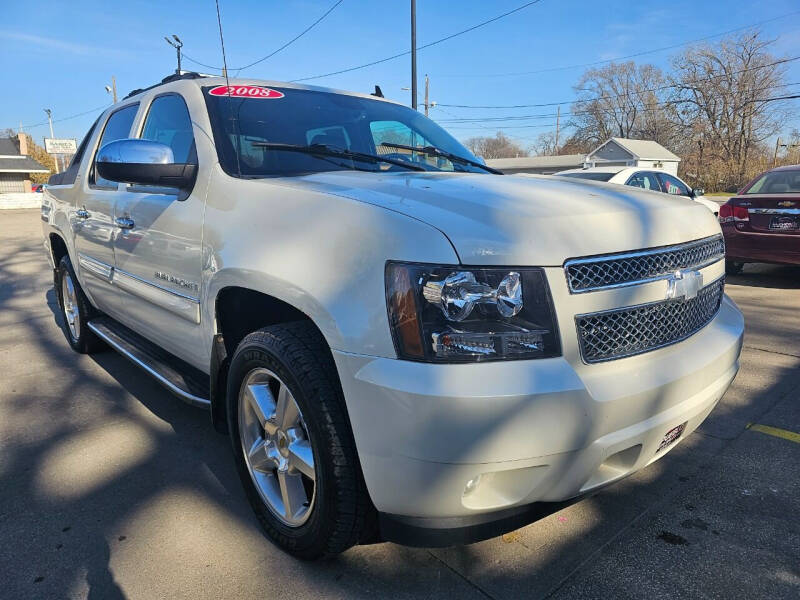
202,80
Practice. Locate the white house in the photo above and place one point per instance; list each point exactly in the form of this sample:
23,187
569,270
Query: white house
614,152
623,152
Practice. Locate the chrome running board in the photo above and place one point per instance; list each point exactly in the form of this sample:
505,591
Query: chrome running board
179,378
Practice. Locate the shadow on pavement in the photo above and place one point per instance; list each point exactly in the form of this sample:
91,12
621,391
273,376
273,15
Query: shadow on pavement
111,486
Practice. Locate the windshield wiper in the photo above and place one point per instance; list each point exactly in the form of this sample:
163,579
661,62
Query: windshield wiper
434,151
325,150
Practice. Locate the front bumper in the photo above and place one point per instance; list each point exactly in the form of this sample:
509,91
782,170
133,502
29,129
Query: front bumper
534,431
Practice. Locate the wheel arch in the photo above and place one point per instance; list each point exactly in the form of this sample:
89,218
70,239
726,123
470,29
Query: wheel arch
237,311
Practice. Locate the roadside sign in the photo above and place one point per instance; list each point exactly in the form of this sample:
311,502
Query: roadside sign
60,146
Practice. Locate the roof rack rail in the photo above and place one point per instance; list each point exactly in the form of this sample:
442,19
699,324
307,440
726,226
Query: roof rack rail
167,79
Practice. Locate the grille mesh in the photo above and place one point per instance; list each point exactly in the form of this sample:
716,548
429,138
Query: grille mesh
634,330
584,275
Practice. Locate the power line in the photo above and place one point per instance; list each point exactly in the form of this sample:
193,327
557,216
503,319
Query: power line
655,89
542,126
75,116
635,55
428,45
649,107
274,52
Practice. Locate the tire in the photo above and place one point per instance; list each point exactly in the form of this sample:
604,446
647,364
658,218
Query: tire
733,268
333,510
75,310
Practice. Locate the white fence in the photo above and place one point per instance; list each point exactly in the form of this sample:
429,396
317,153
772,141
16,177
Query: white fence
20,200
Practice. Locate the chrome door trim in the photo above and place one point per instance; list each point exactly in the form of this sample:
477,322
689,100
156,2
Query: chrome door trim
774,211
186,307
96,267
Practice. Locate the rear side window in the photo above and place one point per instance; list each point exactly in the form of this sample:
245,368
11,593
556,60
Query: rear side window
168,122
673,185
118,127
645,180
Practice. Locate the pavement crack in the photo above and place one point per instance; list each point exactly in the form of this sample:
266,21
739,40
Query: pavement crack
469,582
749,347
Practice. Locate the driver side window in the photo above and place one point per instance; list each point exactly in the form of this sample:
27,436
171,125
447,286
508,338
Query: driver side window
673,185
169,123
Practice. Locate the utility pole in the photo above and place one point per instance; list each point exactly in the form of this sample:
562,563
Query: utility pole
177,44
775,156
414,54
427,86
558,123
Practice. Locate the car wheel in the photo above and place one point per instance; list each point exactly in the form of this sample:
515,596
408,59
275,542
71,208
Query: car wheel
292,442
733,268
75,310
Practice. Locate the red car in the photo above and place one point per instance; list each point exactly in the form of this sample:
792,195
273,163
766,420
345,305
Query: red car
762,223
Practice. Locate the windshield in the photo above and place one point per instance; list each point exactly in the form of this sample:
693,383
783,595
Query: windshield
776,182
594,176
248,132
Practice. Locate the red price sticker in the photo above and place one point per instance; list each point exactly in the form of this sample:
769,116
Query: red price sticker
246,91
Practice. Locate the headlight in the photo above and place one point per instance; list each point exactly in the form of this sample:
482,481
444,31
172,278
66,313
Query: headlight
457,314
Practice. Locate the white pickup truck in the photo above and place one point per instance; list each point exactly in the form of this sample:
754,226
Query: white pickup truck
401,343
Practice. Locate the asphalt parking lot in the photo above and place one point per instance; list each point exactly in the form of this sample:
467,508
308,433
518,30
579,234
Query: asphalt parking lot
112,488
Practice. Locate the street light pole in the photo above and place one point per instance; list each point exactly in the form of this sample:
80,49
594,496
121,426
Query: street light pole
52,135
414,54
112,89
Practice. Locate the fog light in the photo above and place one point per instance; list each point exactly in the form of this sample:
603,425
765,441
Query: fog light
507,343
472,485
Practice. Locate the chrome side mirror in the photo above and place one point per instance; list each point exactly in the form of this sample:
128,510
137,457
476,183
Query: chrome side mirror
698,192
144,162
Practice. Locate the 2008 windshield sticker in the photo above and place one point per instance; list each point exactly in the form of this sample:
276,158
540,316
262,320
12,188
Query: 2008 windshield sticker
246,91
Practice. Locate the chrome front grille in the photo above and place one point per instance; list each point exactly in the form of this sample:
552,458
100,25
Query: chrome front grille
631,268
621,332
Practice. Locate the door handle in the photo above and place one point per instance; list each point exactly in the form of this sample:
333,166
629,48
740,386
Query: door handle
124,222
82,213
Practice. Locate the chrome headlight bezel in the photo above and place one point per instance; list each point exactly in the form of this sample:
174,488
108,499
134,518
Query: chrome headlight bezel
500,313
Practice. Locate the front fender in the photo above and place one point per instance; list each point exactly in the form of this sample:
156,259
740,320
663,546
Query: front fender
323,254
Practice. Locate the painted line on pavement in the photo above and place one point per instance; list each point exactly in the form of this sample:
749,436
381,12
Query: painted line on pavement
784,434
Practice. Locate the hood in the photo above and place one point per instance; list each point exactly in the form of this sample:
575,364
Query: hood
524,220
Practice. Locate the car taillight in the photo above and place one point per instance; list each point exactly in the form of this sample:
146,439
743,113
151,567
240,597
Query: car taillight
730,212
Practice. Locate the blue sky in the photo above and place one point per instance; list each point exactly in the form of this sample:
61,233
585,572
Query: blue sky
60,55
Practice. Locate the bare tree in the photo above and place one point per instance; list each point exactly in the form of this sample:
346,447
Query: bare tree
723,96
545,144
498,146
622,100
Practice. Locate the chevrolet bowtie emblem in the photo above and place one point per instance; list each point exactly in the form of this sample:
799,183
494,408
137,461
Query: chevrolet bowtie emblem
786,203
684,284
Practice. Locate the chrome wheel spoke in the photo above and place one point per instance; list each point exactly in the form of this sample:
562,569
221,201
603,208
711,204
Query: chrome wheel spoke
263,404
293,494
301,458
288,414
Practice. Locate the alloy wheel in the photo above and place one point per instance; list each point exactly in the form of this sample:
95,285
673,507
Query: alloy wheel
276,447
70,301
